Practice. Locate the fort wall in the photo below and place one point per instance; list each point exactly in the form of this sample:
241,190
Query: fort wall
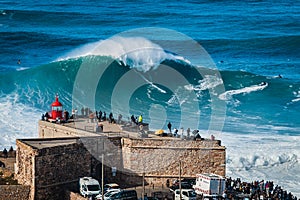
154,156
50,170
14,192
53,163
25,169
159,159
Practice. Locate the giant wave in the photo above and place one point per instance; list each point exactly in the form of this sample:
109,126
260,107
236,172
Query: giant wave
37,86
254,113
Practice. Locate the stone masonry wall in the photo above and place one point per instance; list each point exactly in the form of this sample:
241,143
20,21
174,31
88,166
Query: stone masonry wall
49,171
110,148
25,159
147,155
14,192
60,167
159,158
97,145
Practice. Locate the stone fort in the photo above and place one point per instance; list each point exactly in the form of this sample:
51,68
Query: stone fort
53,163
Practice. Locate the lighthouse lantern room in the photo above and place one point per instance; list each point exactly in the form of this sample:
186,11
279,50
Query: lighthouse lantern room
56,108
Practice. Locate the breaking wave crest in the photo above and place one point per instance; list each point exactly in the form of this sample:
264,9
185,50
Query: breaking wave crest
136,52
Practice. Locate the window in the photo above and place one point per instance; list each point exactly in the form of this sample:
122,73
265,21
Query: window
93,187
192,194
57,108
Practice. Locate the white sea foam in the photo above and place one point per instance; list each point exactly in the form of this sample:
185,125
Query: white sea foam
136,52
228,94
22,68
296,100
297,95
263,157
208,82
17,120
172,101
149,91
180,96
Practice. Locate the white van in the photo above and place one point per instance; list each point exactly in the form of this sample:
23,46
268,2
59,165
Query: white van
186,194
89,186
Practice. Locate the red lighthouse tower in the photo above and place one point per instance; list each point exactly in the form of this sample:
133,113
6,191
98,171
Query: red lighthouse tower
56,108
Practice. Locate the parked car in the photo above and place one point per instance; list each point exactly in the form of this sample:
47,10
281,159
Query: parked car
151,198
162,195
124,195
110,186
108,194
184,185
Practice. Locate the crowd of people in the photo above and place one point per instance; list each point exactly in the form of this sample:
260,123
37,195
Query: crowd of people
135,120
85,113
6,154
100,116
195,134
256,190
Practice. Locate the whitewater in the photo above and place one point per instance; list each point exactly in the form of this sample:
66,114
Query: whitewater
246,44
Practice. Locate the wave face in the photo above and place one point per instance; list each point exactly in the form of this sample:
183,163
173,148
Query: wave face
249,104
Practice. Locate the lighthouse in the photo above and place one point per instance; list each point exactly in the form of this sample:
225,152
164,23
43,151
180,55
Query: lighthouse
56,108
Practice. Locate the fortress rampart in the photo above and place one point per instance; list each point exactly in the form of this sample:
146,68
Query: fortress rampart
54,162
47,165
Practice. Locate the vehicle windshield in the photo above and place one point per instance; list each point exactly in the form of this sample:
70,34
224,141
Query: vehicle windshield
112,196
192,194
107,194
93,187
111,186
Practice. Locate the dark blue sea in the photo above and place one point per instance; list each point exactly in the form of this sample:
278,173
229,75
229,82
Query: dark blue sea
228,68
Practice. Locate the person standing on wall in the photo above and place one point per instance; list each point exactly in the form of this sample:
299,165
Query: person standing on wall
140,119
170,127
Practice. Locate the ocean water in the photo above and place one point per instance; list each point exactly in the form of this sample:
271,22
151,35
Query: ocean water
198,64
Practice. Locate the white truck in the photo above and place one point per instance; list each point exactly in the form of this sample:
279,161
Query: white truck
186,194
89,186
209,185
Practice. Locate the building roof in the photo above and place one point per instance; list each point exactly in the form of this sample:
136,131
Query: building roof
56,102
49,142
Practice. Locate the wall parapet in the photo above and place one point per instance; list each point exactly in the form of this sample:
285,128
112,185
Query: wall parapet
178,148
